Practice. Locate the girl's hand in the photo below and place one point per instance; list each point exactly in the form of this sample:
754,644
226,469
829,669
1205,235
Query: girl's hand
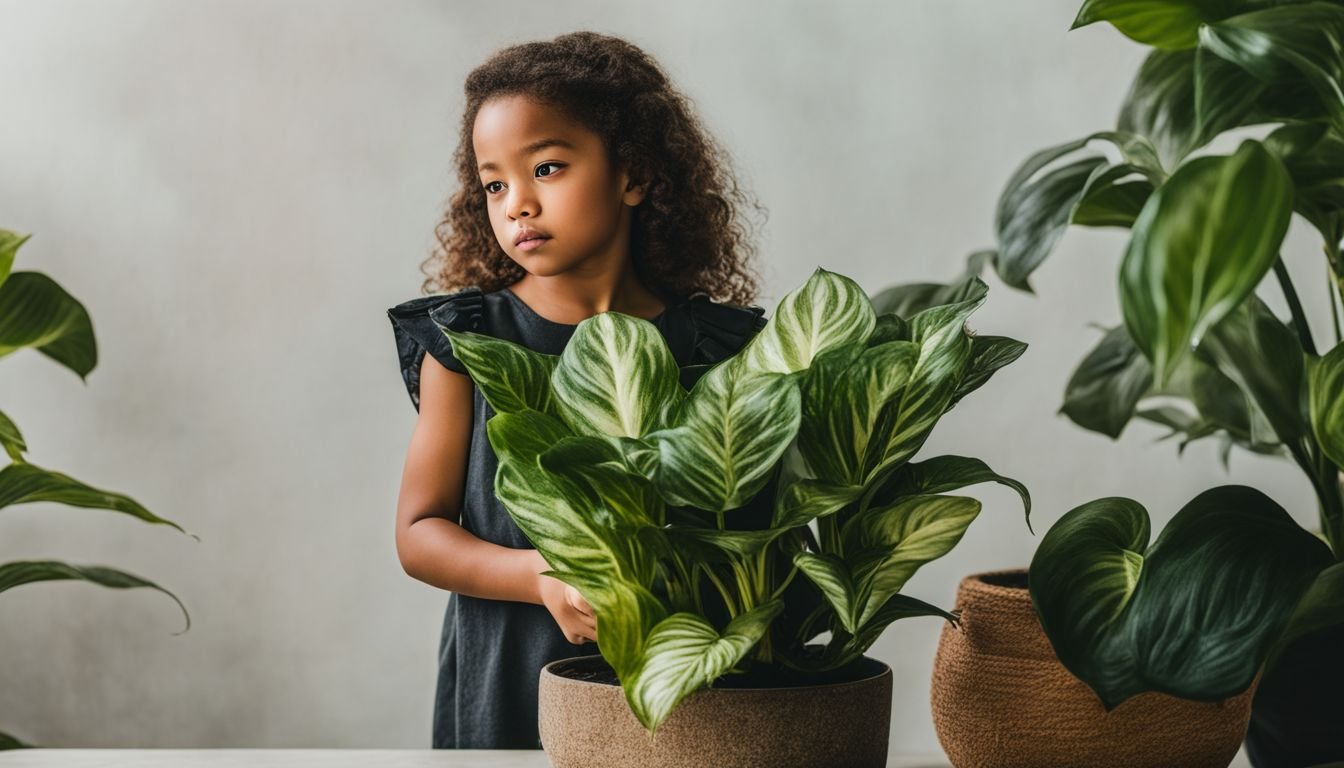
570,611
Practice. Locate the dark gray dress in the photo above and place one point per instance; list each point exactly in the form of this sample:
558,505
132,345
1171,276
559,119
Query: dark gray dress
491,651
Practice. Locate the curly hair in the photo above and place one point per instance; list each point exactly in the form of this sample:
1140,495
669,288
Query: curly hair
686,234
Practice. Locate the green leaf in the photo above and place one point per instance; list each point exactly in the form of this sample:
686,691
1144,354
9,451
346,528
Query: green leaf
1160,105
1194,615
886,545
24,483
728,436
565,520
12,742
617,377
19,572
1111,198
1314,156
1264,359
843,396
1165,24
1327,403
1039,201
595,467
1287,43
831,575
944,354
805,500
988,354
685,653
1201,245
1107,386
1322,606
829,310
10,242
36,312
11,438
510,376
941,474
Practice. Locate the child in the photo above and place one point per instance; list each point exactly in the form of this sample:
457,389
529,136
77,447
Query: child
587,185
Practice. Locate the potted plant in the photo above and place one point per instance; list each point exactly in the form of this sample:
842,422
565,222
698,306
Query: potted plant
685,517
1232,584
36,313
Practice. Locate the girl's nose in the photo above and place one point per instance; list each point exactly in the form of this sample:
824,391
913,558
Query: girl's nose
522,204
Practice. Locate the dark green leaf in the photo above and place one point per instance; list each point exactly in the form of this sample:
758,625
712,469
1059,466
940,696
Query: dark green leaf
1194,615
1106,387
36,312
11,438
1287,43
21,572
1205,239
25,483
1327,403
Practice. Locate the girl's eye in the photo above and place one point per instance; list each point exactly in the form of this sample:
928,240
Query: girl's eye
489,187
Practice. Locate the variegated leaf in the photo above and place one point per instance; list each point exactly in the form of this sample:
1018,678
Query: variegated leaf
886,545
685,653
831,575
1327,403
510,376
842,405
616,377
595,465
731,431
829,310
944,353
802,501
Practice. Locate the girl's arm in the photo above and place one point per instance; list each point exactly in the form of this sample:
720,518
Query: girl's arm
432,546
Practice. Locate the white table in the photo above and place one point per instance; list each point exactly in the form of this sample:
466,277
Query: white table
315,758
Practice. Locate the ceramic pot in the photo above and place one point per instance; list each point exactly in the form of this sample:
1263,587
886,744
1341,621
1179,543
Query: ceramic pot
1001,699
586,723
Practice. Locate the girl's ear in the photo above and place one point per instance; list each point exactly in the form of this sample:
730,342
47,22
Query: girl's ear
635,189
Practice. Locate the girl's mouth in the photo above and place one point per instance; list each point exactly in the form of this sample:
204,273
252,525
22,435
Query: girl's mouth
535,242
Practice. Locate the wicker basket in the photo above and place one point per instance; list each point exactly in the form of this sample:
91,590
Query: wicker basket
1002,700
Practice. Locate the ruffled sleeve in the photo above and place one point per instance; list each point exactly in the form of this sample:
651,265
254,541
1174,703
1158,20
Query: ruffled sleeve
418,327
721,330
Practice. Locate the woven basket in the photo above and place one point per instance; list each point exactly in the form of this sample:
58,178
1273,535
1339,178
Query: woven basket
1001,699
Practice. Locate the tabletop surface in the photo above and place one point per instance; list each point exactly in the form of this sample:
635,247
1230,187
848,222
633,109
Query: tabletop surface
317,758
334,758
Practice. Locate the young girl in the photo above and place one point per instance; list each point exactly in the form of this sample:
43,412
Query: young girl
587,185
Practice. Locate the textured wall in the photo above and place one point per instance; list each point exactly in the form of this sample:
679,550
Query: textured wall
237,191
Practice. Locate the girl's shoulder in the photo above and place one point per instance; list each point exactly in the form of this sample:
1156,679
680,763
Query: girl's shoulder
720,329
418,328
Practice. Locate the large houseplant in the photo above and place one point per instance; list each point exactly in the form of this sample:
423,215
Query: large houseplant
683,516
1232,582
36,313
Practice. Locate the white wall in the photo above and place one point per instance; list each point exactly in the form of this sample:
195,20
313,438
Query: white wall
238,190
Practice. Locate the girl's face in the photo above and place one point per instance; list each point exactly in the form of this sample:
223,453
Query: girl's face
541,172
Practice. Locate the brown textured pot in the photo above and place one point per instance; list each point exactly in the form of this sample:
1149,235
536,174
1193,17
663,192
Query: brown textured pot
843,725
1001,699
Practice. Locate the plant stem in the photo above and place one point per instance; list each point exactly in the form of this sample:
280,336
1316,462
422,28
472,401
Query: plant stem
1294,306
723,590
1332,288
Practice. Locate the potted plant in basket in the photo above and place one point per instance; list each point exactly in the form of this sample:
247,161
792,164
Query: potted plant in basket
1232,585
685,518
